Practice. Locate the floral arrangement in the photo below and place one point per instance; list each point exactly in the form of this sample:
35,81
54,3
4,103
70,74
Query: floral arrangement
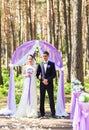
84,97
30,70
76,85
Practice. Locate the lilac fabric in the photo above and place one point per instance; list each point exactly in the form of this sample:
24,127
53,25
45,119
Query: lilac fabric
22,50
28,101
54,54
75,95
11,95
81,116
20,58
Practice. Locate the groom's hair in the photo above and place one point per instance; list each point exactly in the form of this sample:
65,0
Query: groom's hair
46,52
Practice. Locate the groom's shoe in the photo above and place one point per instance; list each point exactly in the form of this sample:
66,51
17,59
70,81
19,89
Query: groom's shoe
40,116
53,116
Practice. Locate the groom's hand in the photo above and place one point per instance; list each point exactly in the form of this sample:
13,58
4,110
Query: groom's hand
39,77
45,82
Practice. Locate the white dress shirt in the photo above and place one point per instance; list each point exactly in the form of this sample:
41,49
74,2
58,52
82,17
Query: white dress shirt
45,65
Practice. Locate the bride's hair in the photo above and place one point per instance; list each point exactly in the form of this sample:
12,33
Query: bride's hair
31,56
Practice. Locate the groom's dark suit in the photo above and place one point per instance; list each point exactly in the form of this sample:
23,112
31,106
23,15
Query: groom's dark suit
49,75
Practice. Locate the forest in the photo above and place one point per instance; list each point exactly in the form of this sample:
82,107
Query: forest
62,23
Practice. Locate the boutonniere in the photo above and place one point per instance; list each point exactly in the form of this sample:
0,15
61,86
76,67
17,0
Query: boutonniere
48,66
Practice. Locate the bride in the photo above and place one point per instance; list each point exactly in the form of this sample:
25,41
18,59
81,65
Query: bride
28,103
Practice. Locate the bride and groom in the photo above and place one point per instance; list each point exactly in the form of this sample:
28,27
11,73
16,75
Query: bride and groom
45,72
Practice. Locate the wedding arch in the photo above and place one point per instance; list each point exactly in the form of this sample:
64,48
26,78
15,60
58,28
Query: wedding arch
19,58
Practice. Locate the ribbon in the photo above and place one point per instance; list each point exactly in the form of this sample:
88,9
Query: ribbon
85,114
84,121
28,100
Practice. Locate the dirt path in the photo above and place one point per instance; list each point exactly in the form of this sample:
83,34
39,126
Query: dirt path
11,123
8,123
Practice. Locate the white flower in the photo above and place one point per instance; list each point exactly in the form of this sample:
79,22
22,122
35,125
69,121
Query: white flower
11,65
81,98
76,85
62,69
84,97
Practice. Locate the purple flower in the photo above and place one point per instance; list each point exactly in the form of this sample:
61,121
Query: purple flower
30,70
48,66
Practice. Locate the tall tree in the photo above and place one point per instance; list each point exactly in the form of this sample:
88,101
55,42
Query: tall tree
68,44
53,24
1,80
58,25
87,13
49,23
27,21
7,32
30,16
77,49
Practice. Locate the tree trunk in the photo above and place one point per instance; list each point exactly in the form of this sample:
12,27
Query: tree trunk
77,50
7,34
69,41
87,13
53,25
58,24
67,44
49,24
35,19
30,16
1,80
20,39
27,22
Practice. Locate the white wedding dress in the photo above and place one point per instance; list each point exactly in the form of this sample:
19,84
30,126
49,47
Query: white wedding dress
28,103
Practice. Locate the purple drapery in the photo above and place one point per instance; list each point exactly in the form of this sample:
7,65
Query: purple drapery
11,95
22,51
21,55
81,116
54,54
18,54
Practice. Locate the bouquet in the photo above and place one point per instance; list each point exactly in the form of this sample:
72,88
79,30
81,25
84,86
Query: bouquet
84,97
76,85
30,71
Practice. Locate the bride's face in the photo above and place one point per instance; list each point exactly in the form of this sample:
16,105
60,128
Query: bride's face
30,59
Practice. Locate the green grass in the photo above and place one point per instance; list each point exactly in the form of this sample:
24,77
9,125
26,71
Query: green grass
67,87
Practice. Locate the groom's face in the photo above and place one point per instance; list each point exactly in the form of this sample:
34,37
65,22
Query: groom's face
45,57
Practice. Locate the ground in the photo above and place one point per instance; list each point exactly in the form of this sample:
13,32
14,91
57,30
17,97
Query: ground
64,123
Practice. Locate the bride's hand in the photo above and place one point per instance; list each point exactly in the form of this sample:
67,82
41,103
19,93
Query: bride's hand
27,76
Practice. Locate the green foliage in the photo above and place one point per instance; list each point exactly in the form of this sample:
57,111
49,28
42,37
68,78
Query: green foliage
38,36
1,96
3,91
18,96
19,86
86,99
5,78
18,82
67,87
63,46
86,84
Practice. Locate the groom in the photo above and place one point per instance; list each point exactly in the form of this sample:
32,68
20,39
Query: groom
45,73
